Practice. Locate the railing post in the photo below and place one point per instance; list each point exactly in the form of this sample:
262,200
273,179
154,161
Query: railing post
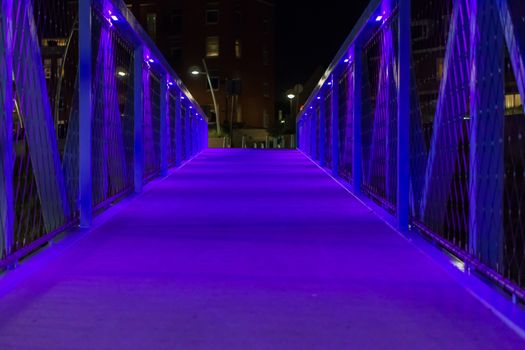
164,123
85,113
178,128
403,116
335,122
7,214
138,103
357,101
486,183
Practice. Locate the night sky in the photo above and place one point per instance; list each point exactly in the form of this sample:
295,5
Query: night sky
309,34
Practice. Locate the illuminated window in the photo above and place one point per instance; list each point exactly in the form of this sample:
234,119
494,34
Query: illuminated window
212,46
59,67
151,25
440,63
238,50
47,67
54,42
212,16
513,104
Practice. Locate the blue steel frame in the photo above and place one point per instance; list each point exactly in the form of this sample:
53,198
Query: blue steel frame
52,188
490,25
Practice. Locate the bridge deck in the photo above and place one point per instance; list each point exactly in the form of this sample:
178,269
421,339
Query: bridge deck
243,249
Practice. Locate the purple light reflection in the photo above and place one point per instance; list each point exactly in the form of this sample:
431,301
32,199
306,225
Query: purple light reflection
261,241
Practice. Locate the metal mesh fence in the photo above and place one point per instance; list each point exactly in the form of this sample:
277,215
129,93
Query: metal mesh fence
466,153
172,114
379,118
40,162
151,124
112,133
345,122
327,116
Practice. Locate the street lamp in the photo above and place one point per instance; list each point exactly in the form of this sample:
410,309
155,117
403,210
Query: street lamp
197,71
291,97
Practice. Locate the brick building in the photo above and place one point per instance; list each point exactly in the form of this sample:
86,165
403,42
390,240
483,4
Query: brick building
235,37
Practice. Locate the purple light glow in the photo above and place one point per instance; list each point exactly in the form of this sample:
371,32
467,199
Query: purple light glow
305,267
379,18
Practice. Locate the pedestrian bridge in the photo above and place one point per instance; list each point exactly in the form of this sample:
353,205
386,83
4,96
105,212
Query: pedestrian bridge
398,223
242,249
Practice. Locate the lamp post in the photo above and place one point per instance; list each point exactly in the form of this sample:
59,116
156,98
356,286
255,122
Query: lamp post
291,97
197,71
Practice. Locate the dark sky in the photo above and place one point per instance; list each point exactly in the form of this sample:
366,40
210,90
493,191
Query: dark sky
309,34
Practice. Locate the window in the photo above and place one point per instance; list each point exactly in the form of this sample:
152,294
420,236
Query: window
237,19
513,104
266,90
420,30
176,54
266,26
151,25
439,65
212,46
54,42
59,67
266,119
266,56
239,113
212,16
238,49
210,112
176,22
47,67
215,81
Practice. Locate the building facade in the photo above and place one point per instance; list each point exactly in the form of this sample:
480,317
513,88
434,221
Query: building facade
235,37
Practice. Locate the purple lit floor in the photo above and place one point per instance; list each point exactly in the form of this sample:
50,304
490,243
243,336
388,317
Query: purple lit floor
244,249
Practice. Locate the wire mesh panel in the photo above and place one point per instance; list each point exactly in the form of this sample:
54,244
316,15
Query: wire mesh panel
328,129
466,154
41,163
379,119
345,122
440,120
112,95
172,143
151,124
41,203
513,213
183,131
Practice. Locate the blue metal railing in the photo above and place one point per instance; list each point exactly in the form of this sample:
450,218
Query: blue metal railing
90,111
425,117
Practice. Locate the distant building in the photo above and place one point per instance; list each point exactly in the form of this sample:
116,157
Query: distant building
236,37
